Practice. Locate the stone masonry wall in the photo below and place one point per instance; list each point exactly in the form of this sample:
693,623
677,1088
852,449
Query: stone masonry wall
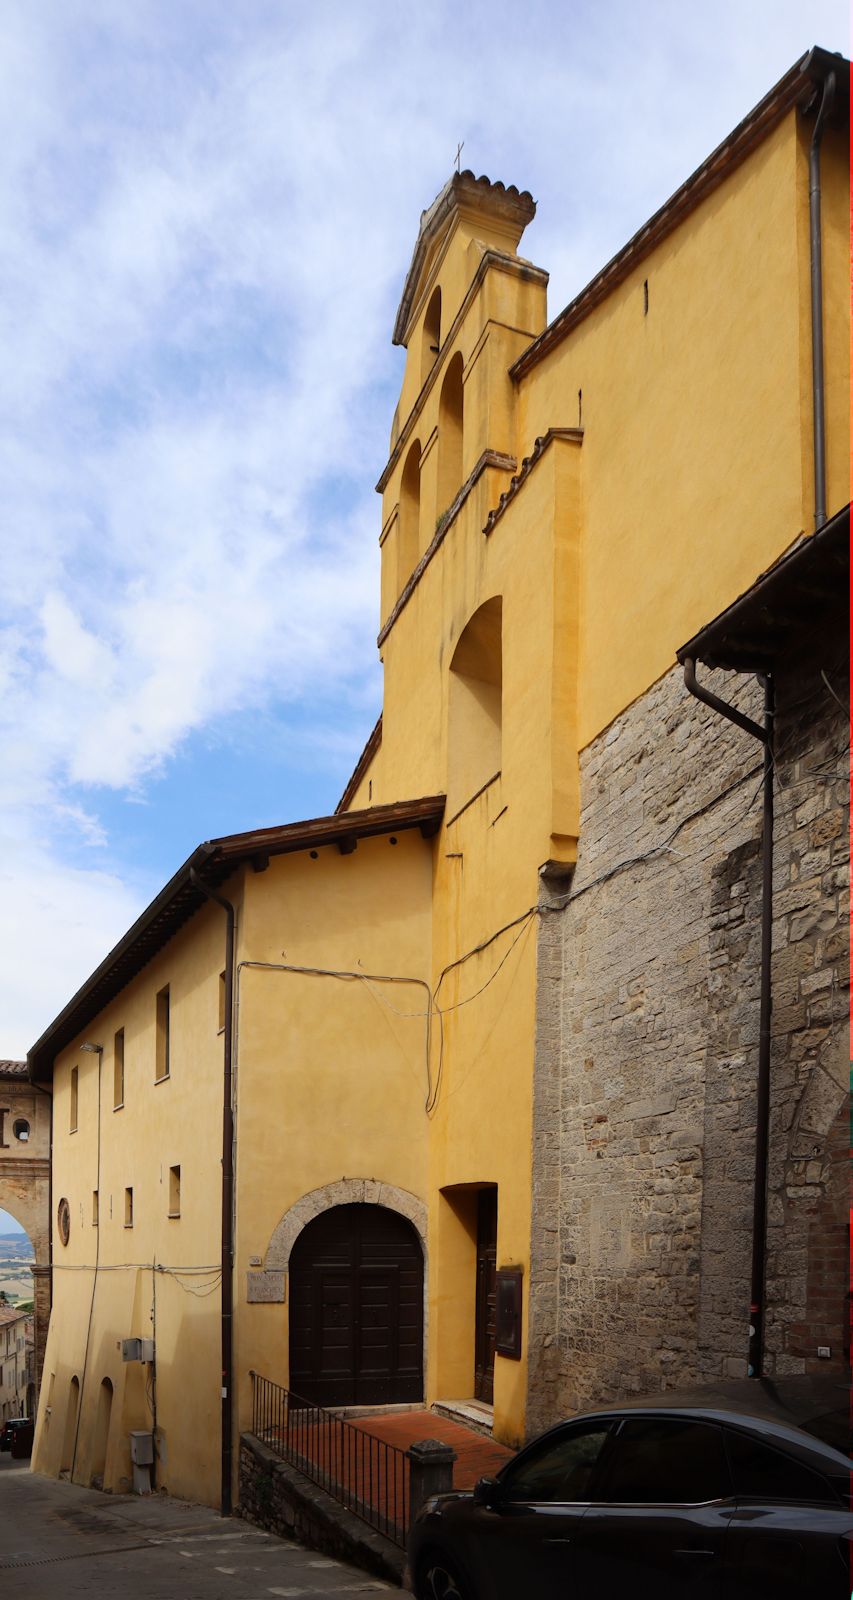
25,1181
808,1180
644,1104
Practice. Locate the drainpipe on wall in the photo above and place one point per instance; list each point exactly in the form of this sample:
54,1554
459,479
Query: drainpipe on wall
227,1294
755,1347
816,257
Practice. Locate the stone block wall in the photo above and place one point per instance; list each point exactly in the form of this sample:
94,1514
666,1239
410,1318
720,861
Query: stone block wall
646,1062
275,1496
25,1181
808,1180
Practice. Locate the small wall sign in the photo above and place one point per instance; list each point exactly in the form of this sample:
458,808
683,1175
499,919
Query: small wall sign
508,1313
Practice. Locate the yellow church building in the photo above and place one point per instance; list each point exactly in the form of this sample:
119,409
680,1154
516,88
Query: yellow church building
420,1102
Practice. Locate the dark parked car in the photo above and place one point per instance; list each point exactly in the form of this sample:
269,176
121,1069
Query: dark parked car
733,1493
17,1436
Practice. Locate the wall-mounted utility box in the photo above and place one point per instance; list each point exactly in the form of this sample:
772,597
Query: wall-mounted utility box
137,1349
141,1447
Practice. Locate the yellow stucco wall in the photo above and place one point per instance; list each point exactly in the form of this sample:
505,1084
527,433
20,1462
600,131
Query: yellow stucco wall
174,1122
692,475
331,1074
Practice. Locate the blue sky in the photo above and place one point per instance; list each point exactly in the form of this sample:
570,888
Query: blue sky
206,214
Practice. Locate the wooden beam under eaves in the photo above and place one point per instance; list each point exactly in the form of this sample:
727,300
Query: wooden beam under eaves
347,844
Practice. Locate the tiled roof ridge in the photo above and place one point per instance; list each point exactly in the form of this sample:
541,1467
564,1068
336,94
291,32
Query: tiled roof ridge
510,189
540,445
13,1069
372,743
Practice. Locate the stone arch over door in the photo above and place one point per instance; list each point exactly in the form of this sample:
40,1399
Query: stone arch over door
346,1192
270,1283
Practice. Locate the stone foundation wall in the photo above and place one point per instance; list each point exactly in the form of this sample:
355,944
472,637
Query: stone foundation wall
644,1105
273,1495
808,1180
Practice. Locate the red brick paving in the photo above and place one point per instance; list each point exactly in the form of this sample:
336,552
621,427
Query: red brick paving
365,1477
477,1456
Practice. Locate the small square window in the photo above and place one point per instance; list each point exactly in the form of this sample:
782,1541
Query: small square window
163,1032
174,1191
128,1208
118,1070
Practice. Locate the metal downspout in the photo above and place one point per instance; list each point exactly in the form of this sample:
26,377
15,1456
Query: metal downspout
762,1109
227,1292
818,399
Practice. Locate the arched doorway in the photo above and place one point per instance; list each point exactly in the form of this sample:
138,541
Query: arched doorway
356,1309
102,1434
69,1437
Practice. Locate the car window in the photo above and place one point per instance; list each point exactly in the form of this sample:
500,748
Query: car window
669,1461
558,1469
764,1473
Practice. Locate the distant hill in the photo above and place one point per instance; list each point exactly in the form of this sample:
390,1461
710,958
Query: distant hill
16,1244
16,1279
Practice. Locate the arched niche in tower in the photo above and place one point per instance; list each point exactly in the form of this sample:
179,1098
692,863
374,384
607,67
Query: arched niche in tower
431,337
475,705
408,534
450,435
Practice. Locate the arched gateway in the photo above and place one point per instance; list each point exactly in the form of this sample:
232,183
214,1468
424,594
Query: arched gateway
356,1308
25,1186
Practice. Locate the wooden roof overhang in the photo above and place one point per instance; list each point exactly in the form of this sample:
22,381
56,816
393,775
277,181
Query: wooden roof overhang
179,900
808,589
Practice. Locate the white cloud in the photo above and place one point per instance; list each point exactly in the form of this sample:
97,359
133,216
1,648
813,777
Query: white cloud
205,215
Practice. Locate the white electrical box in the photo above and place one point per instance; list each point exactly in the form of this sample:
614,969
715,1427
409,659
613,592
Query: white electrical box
137,1349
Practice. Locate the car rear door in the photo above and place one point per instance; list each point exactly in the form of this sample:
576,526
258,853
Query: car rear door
658,1523
789,1537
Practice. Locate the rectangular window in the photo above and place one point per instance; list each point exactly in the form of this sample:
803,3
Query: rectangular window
118,1070
128,1208
74,1078
95,1208
163,1027
221,1001
174,1191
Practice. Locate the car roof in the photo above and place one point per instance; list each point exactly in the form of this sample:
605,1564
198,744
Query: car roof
781,1414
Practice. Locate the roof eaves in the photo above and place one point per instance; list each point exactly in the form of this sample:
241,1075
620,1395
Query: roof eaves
795,88
809,582
213,861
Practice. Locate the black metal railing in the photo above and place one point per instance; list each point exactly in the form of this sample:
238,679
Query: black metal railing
368,1476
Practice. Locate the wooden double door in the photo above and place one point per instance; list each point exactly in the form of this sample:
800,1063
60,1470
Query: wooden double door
356,1309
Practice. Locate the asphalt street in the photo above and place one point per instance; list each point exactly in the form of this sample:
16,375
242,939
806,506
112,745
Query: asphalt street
59,1541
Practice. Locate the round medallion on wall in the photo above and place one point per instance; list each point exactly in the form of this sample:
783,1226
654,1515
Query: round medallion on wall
63,1220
